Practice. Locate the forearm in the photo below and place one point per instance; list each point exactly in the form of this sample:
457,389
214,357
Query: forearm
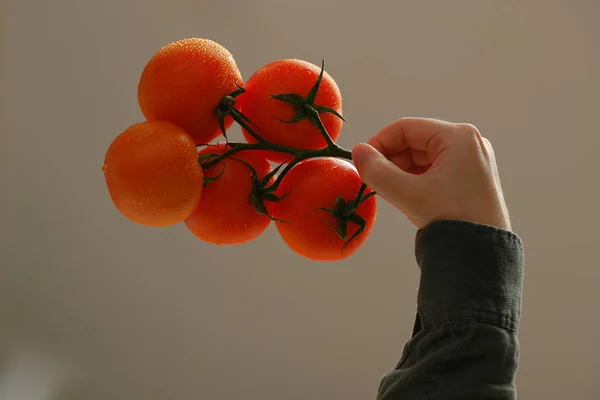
464,345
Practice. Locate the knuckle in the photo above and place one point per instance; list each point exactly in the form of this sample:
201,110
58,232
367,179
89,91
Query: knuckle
488,144
469,129
473,139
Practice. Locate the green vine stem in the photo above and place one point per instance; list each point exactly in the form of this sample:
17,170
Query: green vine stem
343,211
305,108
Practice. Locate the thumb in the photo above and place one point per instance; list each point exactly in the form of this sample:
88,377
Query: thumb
382,175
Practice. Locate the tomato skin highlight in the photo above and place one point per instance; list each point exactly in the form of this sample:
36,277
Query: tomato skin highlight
318,183
184,82
289,76
226,215
152,173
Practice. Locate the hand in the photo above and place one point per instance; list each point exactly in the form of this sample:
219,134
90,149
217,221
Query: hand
434,170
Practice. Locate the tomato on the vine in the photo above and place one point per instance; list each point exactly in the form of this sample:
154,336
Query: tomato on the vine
184,82
286,77
152,173
226,214
308,230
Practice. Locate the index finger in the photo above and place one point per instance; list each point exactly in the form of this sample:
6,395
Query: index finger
422,134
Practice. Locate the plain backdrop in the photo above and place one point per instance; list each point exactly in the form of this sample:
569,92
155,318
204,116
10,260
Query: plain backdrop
142,313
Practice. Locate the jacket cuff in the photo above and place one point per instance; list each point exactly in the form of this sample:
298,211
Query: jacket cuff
469,272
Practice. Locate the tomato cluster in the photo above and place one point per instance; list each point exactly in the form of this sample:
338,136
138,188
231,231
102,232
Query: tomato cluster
190,93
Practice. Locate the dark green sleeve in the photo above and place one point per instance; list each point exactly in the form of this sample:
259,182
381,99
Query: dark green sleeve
464,343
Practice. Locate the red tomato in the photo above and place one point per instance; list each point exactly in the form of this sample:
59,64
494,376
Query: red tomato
313,184
184,82
289,76
152,173
226,214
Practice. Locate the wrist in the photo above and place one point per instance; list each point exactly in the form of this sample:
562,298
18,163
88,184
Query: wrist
499,219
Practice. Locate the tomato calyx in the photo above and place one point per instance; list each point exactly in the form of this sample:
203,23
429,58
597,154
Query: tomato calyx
306,108
344,212
227,108
207,157
207,180
261,192
261,189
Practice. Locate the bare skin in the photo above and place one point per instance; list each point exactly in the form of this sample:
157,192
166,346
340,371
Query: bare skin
434,170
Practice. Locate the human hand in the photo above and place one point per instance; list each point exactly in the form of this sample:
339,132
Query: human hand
433,170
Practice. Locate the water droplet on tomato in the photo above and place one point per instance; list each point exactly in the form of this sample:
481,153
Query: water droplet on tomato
105,168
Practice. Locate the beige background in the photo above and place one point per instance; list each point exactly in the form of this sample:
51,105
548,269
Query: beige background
146,313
